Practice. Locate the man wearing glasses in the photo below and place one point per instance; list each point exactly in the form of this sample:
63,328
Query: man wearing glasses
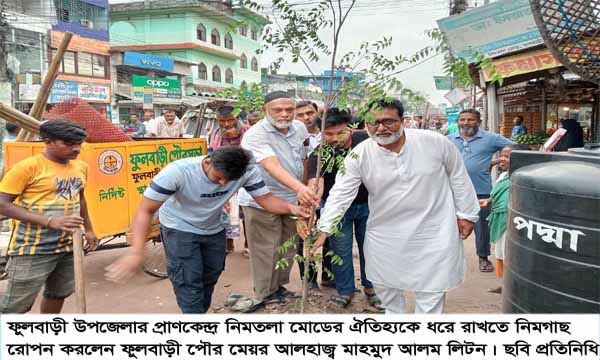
477,148
421,204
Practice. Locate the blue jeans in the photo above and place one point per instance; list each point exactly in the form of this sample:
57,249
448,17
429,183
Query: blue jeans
194,264
354,224
482,231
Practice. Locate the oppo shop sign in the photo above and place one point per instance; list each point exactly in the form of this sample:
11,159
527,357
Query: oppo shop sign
161,87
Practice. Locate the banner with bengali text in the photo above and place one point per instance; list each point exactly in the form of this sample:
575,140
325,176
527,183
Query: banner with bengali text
317,336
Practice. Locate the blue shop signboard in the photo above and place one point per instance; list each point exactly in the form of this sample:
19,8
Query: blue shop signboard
63,90
148,61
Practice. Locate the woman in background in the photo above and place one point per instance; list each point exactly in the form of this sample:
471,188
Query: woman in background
498,219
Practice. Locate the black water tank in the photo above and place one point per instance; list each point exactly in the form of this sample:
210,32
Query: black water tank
553,240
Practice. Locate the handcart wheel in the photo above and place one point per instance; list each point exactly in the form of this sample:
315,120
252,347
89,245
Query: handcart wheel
155,262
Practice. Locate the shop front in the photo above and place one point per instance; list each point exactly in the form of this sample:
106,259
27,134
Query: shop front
147,82
97,95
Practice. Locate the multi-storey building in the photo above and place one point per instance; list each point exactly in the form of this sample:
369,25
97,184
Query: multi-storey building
26,49
218,39
85,68
311,87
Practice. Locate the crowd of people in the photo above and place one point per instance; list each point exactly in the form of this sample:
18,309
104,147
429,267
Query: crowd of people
168,125
407,196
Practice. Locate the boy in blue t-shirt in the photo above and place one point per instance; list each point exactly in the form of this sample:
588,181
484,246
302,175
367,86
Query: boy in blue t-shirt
190,194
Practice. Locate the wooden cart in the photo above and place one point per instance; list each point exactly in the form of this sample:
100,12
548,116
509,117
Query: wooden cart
118,174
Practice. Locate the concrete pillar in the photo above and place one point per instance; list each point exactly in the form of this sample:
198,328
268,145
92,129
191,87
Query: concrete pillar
492,108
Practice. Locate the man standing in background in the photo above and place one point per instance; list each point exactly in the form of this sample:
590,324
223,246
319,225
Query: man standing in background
477,147
253,118
306,111
229,133
169,126
139,129
519,128
149,122
12,131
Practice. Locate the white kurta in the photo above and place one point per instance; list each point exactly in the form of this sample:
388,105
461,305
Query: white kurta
415,196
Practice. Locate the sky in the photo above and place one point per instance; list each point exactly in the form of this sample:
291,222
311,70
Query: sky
404,20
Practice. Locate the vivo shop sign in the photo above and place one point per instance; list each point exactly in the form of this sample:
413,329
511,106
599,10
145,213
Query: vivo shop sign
148,61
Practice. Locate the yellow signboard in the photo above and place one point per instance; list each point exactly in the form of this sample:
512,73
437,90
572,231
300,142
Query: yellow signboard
524,63
118,174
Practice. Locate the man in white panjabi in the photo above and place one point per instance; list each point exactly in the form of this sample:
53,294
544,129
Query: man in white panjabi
422,205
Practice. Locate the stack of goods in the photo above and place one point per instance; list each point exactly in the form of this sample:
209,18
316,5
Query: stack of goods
531,120
98,128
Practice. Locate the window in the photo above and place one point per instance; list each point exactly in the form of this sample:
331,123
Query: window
81,13
84,62
216,74
68,63
254,64
229,76
243,61
228,41
254,34
99,66
201,32
28,50
244,30
202,72
215,37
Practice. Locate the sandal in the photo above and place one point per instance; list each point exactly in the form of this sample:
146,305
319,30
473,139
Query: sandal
485,265
285,293
374,301
248,306
341,300
274,298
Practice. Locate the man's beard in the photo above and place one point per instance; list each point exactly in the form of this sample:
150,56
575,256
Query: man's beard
468,131
279,124
387,140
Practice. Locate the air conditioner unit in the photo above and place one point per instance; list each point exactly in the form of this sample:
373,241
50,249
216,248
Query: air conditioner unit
86,23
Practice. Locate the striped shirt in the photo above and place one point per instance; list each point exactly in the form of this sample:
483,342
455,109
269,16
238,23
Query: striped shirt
47,188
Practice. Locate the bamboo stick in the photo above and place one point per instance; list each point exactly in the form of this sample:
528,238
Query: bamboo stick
42,98
18,118
80,302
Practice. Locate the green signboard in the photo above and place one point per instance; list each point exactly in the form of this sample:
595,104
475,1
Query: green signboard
453,110
443,82
162,87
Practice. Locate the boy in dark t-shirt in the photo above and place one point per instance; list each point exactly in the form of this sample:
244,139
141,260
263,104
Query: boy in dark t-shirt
342,139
